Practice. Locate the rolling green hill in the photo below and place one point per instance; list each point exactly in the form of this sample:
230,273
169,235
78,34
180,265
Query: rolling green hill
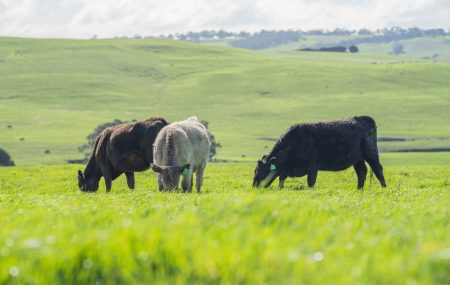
54,92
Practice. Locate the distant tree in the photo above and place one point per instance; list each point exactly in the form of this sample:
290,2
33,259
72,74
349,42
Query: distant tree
243,34
315,32
340,32
266,39
364,32
92,137
397,48
224,34
415,32
334,49
214,144
353,49
5,159
326,49
434,32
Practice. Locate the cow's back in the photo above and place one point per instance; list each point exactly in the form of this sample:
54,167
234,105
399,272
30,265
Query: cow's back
198,139
331,145
136,137
182,142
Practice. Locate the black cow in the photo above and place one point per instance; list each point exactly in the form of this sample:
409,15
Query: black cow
125,148
332,145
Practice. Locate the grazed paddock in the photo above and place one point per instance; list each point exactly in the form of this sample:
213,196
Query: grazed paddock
230,233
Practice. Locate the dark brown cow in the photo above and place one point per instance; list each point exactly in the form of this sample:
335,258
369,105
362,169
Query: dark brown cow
125,148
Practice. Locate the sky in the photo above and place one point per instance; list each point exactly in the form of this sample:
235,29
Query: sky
110,18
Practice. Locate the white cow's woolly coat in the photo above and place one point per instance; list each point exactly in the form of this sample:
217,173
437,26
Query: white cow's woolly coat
180,149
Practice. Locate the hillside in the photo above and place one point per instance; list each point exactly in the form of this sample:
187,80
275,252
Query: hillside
54,92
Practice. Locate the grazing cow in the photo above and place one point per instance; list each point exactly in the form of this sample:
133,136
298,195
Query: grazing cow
125,148
334,145
180,149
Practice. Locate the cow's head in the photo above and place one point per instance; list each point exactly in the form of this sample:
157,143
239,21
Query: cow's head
266,171
170,175
87,184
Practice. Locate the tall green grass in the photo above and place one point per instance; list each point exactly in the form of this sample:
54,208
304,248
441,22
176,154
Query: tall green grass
229,234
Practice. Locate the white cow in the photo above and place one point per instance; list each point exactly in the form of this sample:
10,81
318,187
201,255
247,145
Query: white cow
180,149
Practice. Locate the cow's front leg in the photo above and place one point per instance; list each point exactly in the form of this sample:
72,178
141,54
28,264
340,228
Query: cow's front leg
160,184
108,180
281,180
130,179
186,182
312,175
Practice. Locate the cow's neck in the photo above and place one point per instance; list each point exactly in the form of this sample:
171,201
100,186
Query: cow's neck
281,153
92,169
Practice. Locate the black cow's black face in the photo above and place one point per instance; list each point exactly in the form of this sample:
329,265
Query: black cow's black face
266,172
86,185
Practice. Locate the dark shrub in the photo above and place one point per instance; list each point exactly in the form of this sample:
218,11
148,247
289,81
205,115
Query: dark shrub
397,48
214,144
353,49
326,49
334,49
5,159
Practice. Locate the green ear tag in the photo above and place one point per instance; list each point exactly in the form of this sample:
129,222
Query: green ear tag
186,171
273,167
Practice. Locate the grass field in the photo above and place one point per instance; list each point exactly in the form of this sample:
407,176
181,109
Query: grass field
230,233
54,92
419,48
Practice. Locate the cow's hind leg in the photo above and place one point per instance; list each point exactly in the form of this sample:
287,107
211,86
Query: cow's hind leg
130,179
312,176
199,178
370,152
361,171
376,167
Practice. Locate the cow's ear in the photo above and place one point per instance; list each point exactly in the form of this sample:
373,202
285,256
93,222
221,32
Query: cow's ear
156,168
185,169
80,174
273,161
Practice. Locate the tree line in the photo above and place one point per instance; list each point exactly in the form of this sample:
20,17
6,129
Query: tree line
270,38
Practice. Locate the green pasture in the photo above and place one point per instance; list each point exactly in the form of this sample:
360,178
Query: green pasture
228,234
54,92
424,48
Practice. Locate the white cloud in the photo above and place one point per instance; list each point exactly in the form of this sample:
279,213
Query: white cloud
83,18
